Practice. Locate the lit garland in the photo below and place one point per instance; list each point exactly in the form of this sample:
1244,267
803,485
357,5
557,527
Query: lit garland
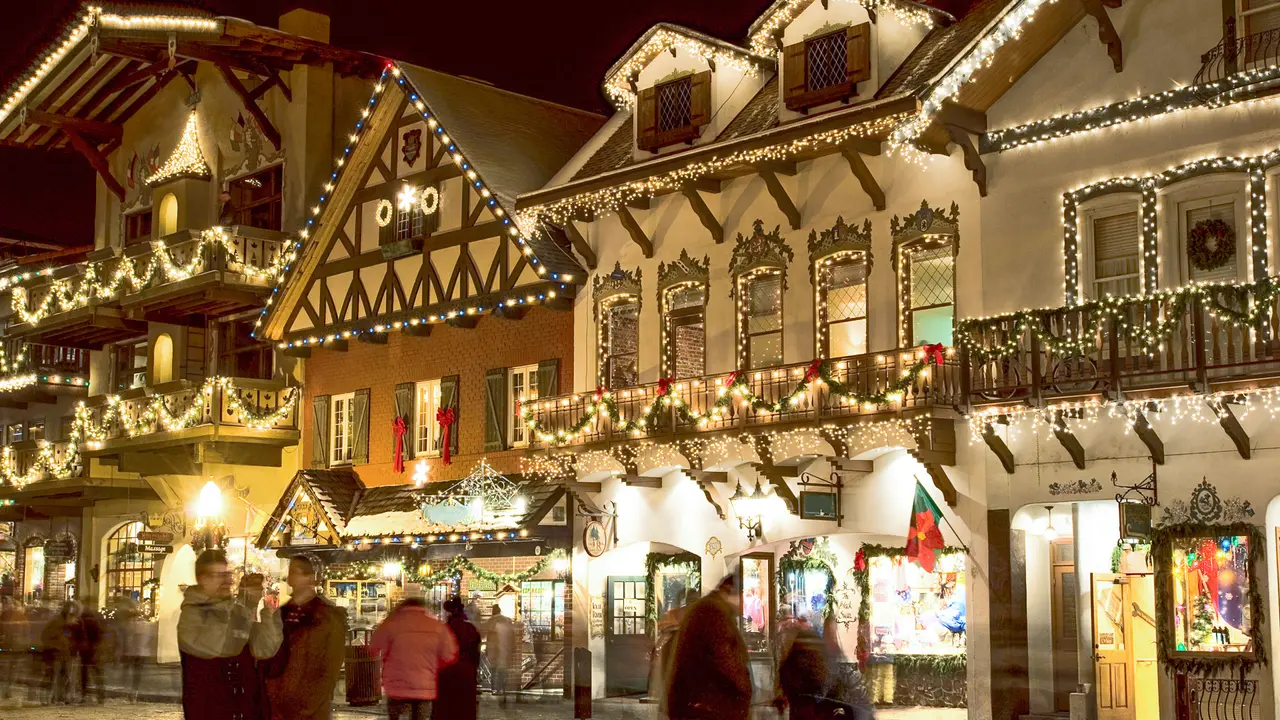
610,198
767,27
734,391
187,160
452,571
14,374
662,38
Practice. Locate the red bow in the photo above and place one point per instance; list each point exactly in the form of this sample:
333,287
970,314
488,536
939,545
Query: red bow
860,560
815,369
936,353
445,417
732,379
664,386
599,392
400,428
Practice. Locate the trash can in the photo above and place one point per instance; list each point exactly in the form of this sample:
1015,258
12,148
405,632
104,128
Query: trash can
363,669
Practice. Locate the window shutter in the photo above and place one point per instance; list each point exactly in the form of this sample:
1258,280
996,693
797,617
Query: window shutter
700,99
495,410
793,69
647,119
549,378
431,223
449,399
360,428
320,431
405,409
387,233
858,52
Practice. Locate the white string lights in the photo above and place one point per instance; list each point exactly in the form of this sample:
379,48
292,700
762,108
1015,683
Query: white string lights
617,85
771,24
15,375
187,160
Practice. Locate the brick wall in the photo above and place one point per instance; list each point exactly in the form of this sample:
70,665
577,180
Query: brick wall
541,659
468,353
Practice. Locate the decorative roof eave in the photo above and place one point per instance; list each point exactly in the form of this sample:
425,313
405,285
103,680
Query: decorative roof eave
379,116
782,12
666,36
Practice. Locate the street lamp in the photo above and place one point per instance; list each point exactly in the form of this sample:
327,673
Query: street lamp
209,531
750,509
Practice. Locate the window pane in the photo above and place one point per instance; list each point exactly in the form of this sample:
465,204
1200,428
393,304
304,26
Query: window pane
686,297
689,341
1225,212
674,104
825,63
623,335
1116,244
848,337
932,326
764,350
846,291
764,304
932,280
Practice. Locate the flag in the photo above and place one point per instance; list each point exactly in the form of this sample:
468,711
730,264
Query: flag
924,537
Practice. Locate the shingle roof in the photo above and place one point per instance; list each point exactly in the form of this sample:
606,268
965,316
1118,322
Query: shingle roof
759,114
397,509
335,490
939,48
616,152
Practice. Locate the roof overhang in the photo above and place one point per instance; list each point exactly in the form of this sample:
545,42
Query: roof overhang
763,32
665,37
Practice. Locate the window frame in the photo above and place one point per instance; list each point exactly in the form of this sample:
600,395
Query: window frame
606,340
679,317
842,33
232,348
557,593
745,335
529,375
342,446
906,266
140,217
428,391
825,268
1096,209
658,87
242,214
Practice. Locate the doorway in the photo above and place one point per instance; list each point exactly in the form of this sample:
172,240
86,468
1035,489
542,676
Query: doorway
1124,642
626,642
1065,589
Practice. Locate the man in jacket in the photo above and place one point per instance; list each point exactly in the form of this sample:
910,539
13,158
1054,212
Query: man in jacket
500,642
458,698
219,639
302,675
710,679
414,646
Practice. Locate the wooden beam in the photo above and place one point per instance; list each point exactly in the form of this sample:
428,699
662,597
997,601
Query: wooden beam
783,490
974,121
634,230
1148,436
12,404
1231,424
511,312
780,196
641,481
297,351
1106,32
97,160
273,80
639,203
419,330
997,445
1069,441
339,345
580,244
938,473
100,131
705,485
251,105
847,465
704,213
972,160
863,146
865,178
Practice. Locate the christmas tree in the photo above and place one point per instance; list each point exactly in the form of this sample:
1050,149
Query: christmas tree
1202,621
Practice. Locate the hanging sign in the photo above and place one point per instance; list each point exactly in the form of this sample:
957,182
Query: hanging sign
1135,521
597,616
155,536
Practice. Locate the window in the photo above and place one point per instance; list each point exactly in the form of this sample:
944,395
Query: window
342,429
15,433
129,566
240,354
1193,213
131,365
931,299
33,572
824,60
755,583
167,217
916,612
427,433
35,429
674,104
163,365
542,609
255,200
686,336
843,304
763,321
1212,585
826,67
409,222
137,228
673,111
1116,248
1258,16
621,357
523,388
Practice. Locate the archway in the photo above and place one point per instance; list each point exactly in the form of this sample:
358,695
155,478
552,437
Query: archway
162,359
167,215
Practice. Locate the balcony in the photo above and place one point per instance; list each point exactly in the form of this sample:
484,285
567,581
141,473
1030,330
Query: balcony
890,385
1238,64
35,373
185,278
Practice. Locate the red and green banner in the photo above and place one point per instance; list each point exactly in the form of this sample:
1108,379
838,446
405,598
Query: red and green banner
924,539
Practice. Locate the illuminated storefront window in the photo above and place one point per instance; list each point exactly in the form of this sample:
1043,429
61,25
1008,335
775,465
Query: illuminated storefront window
542,609
756,573
917,612
1211,610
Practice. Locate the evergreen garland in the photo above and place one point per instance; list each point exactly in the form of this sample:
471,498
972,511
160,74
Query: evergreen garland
454,568
656,562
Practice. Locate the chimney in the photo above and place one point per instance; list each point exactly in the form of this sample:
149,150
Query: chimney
307,23
307,126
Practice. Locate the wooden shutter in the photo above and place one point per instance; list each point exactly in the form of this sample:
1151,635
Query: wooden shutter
495,410
647,119
549,378
857,59
793,73
449,399
387,233
431,223
700,99
360,427
404,409
320,431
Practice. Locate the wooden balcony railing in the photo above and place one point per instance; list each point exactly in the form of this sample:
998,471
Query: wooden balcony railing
687,407
1191,339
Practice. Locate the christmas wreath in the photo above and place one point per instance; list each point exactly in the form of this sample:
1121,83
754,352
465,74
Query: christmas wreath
1206,255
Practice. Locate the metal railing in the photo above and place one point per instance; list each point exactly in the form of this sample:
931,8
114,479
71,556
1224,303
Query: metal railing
1237,54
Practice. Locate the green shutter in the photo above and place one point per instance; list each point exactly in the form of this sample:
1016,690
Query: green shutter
387,233
360,428
320,431
405,409
549,378
449,399
495,410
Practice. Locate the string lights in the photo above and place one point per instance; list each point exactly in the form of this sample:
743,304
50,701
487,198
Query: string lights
187,161
15,374
663,38
767,27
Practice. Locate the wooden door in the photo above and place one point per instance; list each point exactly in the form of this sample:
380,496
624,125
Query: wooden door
1112,647
626,643
1066,593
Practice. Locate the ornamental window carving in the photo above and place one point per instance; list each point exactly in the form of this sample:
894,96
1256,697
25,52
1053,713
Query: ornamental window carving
759,270
682,298
617,299
925,244
840,264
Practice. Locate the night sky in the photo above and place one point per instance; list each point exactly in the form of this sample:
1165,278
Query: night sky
557,50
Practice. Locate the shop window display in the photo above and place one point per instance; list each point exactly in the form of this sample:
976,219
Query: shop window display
807,594
917,612
1211,603
542,609
757,611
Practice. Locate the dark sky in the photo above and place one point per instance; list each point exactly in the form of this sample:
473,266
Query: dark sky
557,50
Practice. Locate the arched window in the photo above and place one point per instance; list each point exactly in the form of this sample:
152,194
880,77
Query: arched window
162,360
682,298
759,270
924,254
167,215
130,571
840,263
617,298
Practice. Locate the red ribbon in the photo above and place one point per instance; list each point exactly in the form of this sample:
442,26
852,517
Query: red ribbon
400,428
936,353
445,417
860,560
599,392
664,386
815,369
732,379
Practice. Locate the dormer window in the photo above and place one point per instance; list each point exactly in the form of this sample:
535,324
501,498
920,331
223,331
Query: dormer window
826,67
673,111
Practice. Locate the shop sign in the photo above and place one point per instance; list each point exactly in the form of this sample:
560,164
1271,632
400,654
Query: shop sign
155,536
60,550
818,506
597,616
155,549
1135,521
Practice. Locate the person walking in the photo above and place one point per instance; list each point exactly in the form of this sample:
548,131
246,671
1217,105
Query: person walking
219,639
802,670
710,679
133,646
56,641
301,677
500,641
459,697
88,647
12,647
414,647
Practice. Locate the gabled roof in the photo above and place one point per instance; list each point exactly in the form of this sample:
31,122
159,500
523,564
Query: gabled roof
396,510
776,17
335,491
666,36
940,48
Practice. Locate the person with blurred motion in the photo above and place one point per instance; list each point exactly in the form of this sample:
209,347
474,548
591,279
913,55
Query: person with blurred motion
802,670
665,632
710,679
500,641
56,642
458,692
133,646
301,677
414,647
220,638
12,647
89,646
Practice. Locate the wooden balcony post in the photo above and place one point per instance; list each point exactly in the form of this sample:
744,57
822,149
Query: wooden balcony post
966,381
1037,389
1197,344
1113,359
215,405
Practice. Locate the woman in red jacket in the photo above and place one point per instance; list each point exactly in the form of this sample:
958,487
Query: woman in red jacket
414,646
